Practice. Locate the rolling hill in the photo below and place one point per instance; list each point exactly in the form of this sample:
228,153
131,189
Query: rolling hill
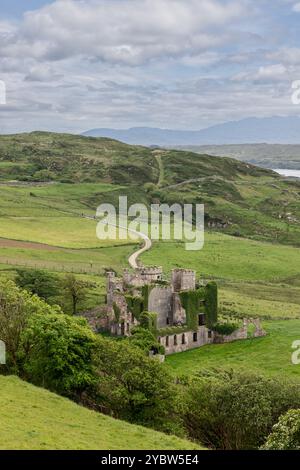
33,418
276,129
264,155
240,199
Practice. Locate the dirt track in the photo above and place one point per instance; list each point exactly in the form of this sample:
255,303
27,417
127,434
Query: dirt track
8,243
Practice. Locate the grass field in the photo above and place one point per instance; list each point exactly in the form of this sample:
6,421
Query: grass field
229,258
270,355
33,418
265,301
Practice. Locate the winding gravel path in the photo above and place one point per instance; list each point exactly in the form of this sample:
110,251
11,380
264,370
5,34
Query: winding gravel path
147,243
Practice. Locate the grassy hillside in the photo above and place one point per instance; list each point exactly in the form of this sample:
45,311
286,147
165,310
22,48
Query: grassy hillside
43,156
250,201
265,155
270,355
33,418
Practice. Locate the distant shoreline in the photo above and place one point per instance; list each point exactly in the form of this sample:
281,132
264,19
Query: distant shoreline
289,173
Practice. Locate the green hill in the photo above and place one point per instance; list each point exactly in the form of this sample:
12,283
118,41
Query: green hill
240,199
33,418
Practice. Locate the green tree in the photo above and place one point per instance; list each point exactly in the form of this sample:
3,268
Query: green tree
76,290
41,283
16,307
236,409
285,434
134,387
59,353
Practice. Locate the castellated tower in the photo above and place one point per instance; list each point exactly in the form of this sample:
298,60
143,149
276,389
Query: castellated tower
150,273
183,279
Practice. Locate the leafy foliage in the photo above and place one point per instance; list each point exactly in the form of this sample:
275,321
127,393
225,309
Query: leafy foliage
234,409
57,353
135,387
16,308
225,328
285,434
76,290
211,304
144,339
202,299
41,283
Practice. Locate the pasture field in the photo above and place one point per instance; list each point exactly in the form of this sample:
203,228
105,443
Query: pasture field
229,258
34,419
270,355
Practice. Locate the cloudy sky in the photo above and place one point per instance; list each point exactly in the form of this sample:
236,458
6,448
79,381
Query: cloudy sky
72,65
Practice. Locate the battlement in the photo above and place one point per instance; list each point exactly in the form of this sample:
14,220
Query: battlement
150,271
183,279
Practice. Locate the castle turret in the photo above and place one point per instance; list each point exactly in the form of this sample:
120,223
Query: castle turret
150,273
183,279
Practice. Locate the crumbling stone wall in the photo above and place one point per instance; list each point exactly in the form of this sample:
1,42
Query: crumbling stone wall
179,342
242,333
160,302
143,276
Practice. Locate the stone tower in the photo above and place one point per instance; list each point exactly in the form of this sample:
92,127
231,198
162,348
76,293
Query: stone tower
183,279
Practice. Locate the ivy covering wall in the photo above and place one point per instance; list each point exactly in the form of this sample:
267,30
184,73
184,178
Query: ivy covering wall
149,320
117,312
211,304
201,300
192,301
135,305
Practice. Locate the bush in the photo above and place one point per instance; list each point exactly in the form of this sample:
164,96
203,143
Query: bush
57,351
17,306
145,340
36,281
225,328
286,433
236,410
134,387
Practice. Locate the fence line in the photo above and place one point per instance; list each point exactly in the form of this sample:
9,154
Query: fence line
80,268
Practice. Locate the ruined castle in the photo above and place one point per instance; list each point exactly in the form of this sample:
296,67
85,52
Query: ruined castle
179,312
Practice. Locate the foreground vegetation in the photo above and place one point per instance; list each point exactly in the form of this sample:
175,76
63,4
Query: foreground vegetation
34,419
221,408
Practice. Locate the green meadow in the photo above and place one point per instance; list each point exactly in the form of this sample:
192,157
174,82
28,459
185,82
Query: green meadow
270,355
34,419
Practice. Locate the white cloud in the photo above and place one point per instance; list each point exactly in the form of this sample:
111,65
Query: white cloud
74,65
122,31
264,74
296,8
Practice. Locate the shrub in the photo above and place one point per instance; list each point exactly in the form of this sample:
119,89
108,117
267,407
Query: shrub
17,306
38,282
236,410
145,340
286,433
58,353
134,387
225,328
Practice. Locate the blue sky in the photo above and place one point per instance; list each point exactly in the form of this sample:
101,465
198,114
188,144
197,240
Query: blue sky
15,8
71,65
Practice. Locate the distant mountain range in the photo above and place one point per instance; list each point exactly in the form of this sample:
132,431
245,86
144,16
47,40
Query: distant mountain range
275,130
